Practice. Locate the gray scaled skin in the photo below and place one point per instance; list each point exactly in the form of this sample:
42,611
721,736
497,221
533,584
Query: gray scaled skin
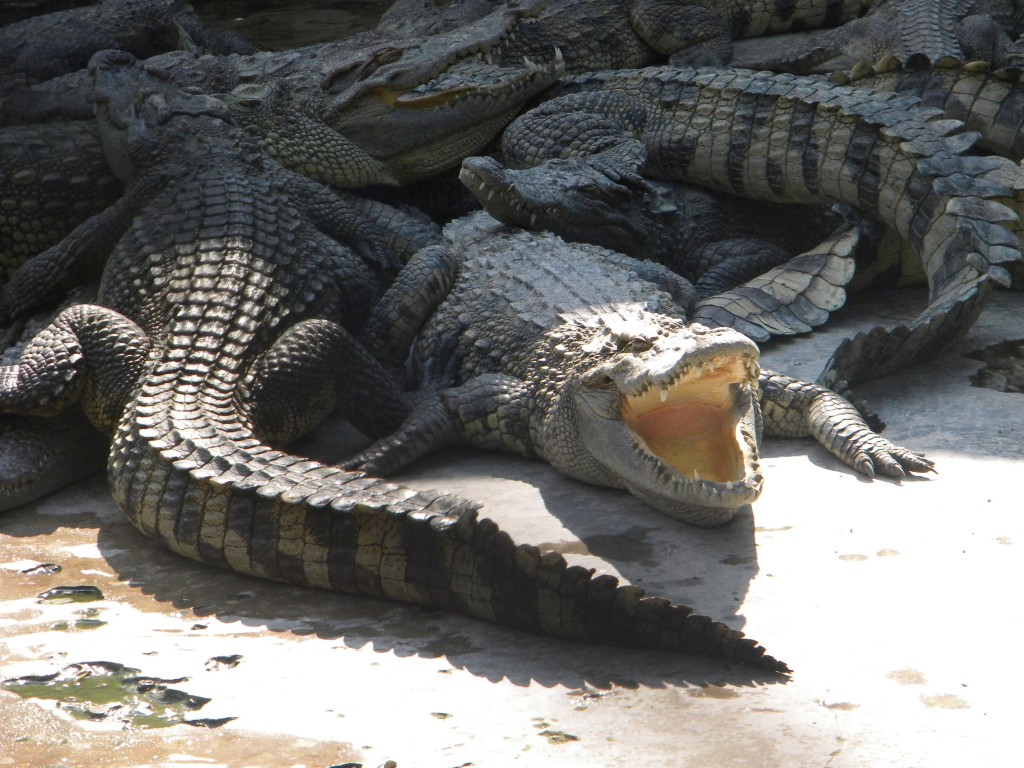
986,99
585,358
914,31
376,109
613,34
218,331
785,138
744,257
53,176
40,454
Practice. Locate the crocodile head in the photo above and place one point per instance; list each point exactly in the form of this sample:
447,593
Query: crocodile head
573,197
425,103
667,410
135,107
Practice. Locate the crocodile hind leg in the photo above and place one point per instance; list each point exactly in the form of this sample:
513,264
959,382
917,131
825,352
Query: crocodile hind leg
403,309
314,368
87,348
488,411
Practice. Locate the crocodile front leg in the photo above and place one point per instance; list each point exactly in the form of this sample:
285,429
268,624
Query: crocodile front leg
794,408
488,411
314,368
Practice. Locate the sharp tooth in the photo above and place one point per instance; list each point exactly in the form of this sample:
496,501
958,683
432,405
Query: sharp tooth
696,475
533,219
664,395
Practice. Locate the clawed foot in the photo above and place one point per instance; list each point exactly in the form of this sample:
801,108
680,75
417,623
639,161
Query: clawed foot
875,455
841,428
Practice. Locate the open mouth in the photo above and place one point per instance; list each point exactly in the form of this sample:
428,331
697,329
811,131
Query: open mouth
692,424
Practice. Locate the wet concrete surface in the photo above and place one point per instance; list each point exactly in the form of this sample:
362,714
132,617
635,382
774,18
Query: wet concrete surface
894,603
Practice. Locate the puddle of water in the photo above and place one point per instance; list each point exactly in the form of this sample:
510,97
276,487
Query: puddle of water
70,594
103,691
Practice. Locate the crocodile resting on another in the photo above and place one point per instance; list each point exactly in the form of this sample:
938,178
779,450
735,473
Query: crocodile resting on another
369,110
739,254
222,295
803,139
585,358
989,101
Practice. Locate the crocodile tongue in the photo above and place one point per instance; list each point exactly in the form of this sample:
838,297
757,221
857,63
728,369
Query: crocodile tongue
692,424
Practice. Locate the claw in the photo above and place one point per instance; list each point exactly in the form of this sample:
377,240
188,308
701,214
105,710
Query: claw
865,466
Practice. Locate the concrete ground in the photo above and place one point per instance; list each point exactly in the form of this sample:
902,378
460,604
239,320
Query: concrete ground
894,603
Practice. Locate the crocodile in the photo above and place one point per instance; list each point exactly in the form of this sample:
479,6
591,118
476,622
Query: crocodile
43,47
765,269
788,138
671,223
584,357
937,31
370,110
220,333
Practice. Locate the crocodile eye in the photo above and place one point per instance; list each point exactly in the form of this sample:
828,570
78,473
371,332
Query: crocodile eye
633,344
347,75
639,344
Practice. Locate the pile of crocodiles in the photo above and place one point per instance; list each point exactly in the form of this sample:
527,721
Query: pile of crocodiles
205,250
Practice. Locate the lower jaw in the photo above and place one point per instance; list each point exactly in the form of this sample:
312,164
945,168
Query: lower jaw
695,512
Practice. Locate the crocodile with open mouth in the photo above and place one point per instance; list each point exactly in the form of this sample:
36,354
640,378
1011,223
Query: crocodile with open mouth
219,332
373,109
585,358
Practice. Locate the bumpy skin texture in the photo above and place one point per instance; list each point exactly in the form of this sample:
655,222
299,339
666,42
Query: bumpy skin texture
40,454
787,138
52,177
742,256
54,44
673,224
522,342
373,109
224,291
932,30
